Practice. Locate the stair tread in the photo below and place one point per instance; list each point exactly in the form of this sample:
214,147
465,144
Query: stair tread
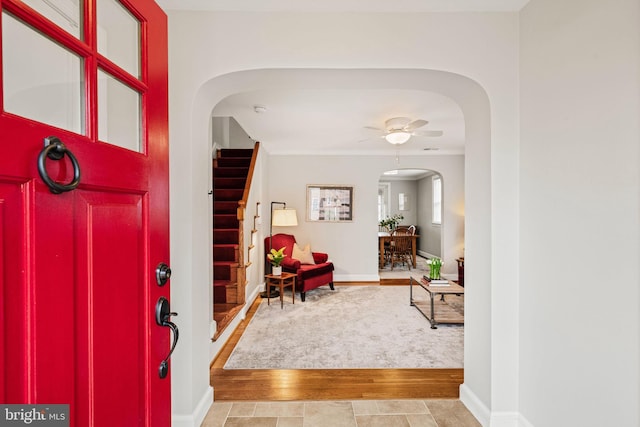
230,174
235,151
225,262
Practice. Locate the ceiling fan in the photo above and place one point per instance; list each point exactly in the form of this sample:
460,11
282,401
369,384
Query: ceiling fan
398,130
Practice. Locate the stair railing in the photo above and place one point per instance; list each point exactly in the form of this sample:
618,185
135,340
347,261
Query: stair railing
242,205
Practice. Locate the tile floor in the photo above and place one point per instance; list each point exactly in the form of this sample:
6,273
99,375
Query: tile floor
357,413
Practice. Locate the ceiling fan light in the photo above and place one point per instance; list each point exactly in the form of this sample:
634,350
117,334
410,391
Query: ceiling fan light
397,137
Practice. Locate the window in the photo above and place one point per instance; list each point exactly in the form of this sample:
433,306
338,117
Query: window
436,215
384,210
403,202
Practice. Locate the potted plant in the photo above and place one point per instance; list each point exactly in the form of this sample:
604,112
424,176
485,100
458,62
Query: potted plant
276,257
391,222
435,264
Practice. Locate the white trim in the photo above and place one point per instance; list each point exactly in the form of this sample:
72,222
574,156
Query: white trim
425,254
475,405
523,422
197,417
504,419
509,419
488,418
214,150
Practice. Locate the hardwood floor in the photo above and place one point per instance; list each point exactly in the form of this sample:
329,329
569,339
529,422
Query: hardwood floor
327,384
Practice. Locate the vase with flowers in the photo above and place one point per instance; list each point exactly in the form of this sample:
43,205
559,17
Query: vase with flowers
275,257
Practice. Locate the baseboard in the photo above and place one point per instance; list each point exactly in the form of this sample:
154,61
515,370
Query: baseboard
523,422
219,343
250,298
488,418
505,419
475,405
509,419
356,278
425,254
197,417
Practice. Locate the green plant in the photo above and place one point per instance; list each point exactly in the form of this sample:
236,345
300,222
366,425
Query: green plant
391,222
276,256
435,264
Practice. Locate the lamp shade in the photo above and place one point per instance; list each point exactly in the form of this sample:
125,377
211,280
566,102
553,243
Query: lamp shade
397,137
284,218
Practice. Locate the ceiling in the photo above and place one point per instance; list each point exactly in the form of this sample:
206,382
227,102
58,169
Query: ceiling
334,121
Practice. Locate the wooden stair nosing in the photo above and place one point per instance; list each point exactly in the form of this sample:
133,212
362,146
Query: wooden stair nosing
225,230
224,263
226,245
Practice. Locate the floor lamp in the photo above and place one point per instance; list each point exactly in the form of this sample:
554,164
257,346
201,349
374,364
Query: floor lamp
279,218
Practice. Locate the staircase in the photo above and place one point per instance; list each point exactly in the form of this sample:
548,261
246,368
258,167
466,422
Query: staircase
230,171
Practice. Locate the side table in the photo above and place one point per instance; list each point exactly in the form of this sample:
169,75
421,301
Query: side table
460,262
283,280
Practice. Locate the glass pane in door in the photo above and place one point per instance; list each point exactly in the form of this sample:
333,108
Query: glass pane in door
47,85
118,113
119,36
64,13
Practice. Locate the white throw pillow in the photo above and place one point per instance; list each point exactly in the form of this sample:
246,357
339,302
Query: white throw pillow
303,255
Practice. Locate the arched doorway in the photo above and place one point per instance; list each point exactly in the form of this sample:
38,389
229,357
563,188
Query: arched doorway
416,195
474,103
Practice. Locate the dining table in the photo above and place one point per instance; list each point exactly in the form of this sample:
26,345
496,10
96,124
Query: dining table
385,236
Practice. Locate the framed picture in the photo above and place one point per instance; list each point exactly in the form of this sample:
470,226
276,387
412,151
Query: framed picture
329,203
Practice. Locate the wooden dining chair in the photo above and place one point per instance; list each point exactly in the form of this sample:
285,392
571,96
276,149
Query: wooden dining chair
400,249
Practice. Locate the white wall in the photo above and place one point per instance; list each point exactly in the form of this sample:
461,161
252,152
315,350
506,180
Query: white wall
353,246
409,189
238,138
579,166
471,58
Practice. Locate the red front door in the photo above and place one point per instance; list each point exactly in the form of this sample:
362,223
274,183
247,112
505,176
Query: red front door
78,283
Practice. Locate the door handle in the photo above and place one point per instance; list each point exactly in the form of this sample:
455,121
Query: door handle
54,149
163,316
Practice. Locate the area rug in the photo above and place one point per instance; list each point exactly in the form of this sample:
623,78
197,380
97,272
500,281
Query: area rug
351,327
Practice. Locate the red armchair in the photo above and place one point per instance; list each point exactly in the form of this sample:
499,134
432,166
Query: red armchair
309,276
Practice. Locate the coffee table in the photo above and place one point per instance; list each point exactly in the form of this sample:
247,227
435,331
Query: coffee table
445,315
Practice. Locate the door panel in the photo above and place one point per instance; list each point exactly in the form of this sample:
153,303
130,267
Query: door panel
49,309
112,307
14,226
